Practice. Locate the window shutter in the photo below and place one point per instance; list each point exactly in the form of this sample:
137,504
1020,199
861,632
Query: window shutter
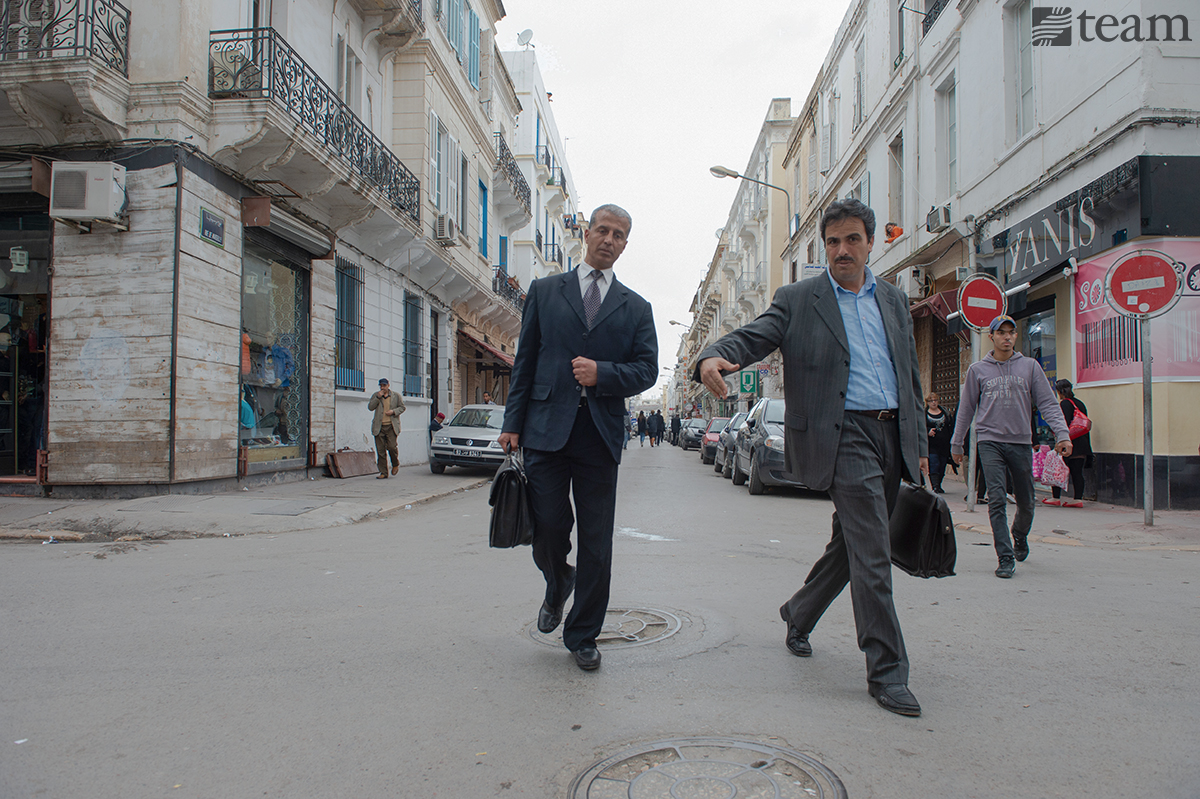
433,184
812,167
456,27
825,154
473,58
451,206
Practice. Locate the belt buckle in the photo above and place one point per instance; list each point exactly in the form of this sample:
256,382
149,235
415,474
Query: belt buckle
883,416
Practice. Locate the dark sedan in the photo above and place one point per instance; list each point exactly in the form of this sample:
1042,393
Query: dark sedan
691,433
722,460
758,454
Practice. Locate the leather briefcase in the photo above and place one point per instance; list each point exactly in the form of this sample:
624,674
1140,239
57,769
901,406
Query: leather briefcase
922,533
511,524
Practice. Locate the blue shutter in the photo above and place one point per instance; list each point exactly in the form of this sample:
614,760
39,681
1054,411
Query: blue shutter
504,254
473,52
456,27
483,215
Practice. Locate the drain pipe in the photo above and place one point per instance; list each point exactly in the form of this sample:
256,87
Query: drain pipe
175,317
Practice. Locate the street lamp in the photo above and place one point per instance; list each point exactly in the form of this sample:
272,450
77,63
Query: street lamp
681,324
726,172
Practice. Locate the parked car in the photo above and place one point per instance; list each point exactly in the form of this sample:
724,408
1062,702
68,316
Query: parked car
722,462
758,452
469,439
708,444
691,433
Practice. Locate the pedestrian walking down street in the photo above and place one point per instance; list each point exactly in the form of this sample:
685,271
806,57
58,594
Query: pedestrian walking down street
657,425
939,424
587,343
1000,392
641,425
1081,447
387,405
628,431
852,395
676,425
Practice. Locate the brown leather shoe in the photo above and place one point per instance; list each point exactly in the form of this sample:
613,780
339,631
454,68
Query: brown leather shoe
381,476
395,468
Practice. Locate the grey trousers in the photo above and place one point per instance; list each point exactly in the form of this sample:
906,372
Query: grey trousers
866,479
1017,459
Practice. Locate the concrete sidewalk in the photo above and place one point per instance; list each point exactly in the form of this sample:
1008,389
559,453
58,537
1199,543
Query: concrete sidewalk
316,503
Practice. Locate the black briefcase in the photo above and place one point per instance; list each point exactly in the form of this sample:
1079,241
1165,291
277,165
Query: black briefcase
922,533
512,515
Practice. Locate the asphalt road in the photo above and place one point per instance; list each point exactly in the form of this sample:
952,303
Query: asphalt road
393,658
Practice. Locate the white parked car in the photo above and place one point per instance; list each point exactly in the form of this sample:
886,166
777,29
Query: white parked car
469,439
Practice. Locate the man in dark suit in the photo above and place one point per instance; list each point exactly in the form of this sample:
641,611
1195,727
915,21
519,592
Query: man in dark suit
854,424
587,343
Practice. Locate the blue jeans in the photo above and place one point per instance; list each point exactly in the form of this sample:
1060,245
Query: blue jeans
1017,459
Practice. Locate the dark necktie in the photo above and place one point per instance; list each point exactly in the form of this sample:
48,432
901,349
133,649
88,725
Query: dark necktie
591,298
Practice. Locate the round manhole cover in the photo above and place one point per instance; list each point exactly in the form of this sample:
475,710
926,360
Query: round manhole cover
707,768
623,627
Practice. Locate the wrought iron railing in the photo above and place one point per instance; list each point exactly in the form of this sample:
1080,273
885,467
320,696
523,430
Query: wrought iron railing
554,253
932,14
545,157
537,237
507,164
505,289
257,63
65,29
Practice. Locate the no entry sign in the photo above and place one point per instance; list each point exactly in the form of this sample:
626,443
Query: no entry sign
1143,283
980,300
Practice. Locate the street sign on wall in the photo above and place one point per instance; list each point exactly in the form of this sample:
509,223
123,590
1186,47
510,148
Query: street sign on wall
980,300
1143,284
749,381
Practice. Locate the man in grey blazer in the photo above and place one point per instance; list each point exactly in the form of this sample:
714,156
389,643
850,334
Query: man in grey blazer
854,425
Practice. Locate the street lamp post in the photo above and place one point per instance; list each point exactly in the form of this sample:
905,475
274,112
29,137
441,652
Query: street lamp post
726,172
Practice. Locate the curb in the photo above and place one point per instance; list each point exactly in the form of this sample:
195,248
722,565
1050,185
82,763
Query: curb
389,508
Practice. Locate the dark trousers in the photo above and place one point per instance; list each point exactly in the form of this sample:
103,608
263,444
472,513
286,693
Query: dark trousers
1001,462
866,479
385,445
937,470
584,470
1076,467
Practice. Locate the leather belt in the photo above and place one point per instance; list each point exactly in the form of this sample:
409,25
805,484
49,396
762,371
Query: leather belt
583,401
885,415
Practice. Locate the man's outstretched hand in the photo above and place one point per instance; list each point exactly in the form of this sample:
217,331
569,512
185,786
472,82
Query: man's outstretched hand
710,374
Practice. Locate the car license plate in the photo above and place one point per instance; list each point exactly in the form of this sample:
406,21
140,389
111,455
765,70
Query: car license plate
463,452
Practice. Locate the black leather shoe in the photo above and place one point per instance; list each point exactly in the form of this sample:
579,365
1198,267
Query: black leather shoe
797,642
895,697
1007,568
587,658
1021,548
549,617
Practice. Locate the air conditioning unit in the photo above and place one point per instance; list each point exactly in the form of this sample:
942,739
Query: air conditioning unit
911,282
445,229
88,190
938,219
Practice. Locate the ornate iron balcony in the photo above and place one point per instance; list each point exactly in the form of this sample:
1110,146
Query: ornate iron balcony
537,236
510,292
545,157
932,14
506,163
66,29
258,64
554,253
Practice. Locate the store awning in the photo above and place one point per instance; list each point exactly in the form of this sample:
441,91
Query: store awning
940,305
488,348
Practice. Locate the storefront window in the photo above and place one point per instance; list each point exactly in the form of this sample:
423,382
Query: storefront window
274,393
24,290
1038,340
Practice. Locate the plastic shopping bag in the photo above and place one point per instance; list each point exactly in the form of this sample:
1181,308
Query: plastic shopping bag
1039,459
1054,470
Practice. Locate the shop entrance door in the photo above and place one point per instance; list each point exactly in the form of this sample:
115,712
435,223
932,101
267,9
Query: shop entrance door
24,330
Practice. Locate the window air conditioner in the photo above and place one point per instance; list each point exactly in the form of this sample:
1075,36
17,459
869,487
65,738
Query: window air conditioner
938,219
445,231
87,190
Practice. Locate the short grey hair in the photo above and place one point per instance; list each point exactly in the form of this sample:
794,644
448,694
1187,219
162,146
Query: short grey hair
844,209
614,210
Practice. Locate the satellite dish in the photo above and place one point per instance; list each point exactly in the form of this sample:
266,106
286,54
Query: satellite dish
525,37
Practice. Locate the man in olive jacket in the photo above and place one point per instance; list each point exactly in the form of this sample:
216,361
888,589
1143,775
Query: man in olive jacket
854,425
388,405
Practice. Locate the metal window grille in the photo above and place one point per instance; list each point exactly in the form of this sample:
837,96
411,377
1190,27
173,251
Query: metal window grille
413,340
348,344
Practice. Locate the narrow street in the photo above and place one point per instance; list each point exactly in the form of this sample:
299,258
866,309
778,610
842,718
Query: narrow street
394,658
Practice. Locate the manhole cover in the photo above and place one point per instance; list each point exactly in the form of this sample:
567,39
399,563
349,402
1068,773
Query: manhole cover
707,768
623,628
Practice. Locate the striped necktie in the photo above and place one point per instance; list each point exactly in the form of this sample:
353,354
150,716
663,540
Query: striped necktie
591,298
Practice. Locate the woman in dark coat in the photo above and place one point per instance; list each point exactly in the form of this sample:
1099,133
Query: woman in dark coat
939,425
642,427
1081,448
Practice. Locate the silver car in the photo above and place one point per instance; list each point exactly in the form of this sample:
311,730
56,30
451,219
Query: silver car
469,439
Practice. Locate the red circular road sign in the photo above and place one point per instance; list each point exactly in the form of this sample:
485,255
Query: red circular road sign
1143,283
980,300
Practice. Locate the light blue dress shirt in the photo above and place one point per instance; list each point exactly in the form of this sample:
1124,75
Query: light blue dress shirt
872,374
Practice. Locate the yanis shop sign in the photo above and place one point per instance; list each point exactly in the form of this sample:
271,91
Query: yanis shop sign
1055,26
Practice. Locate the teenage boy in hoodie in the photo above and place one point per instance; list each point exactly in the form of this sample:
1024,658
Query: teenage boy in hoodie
1001,391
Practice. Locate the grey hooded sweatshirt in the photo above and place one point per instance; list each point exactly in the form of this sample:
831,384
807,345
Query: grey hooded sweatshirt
999,393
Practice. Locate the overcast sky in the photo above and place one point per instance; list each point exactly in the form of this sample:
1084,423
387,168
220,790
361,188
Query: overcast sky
649,95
